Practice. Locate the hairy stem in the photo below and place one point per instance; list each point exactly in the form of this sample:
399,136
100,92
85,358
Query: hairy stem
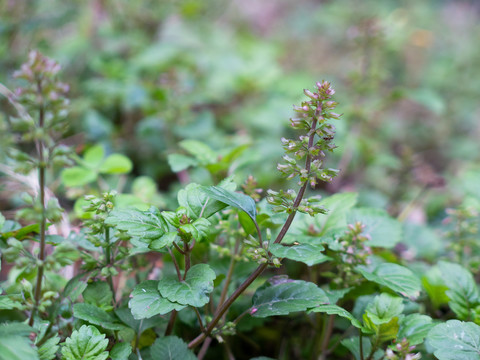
108,259
43,221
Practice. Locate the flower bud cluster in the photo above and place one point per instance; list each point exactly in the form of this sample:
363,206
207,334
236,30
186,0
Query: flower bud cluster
259,252
250,188
402,351
352,252
100,207
284,201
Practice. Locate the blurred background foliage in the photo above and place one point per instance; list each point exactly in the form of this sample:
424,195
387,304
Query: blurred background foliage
145,75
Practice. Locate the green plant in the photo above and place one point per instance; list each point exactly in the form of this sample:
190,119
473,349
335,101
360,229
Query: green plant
148,283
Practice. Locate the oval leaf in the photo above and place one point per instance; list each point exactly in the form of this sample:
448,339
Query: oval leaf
146,301
395,277
171,348
193,291
286,297
455,340
78,176
337,310
116,164
232,198
306,253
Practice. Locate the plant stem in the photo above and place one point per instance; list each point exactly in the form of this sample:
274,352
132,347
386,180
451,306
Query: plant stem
171,322
175,263
361,346
224,307
326,338
204,348
108,259
43,221
202,329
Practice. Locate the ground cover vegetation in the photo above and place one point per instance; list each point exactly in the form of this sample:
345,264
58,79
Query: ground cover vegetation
157,203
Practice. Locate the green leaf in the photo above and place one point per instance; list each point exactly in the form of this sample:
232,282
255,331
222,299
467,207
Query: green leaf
48,350
338,206
146,301
116,164
121,351
237,200
306,253
202,152
462,289
395,277
171,348
15,329
382,229
96,316
433,283
180,162
93,157
147,225
86,343
17,348
98,293
337,310
455,340
286,297
21,233
198,203
193,291
78,176
414,328
6,303
384,308
422,241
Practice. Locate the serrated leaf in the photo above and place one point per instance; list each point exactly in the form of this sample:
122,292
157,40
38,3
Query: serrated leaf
171,348
121,351
395,277
383,230
147,225
198,203
17,348
96,316
6,303
146,301
434,285
86,343
286,297
98,293
462,289
455,340
15,329
116,164
78,176
237,200
48,350
180,162
306,253
384,308
193,291
414,328
337,310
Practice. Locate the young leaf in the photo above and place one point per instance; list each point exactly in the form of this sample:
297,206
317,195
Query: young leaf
353,344
455,340
396,277
146,301
49,348
204,154
116,164
147,225
337,310
462,289
86,343
180,162
198,203
98,293
384,308
171,348
121,351
96,316
286,297
93,157
306,253
232,198
382,229
78,176
414,328
193,291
